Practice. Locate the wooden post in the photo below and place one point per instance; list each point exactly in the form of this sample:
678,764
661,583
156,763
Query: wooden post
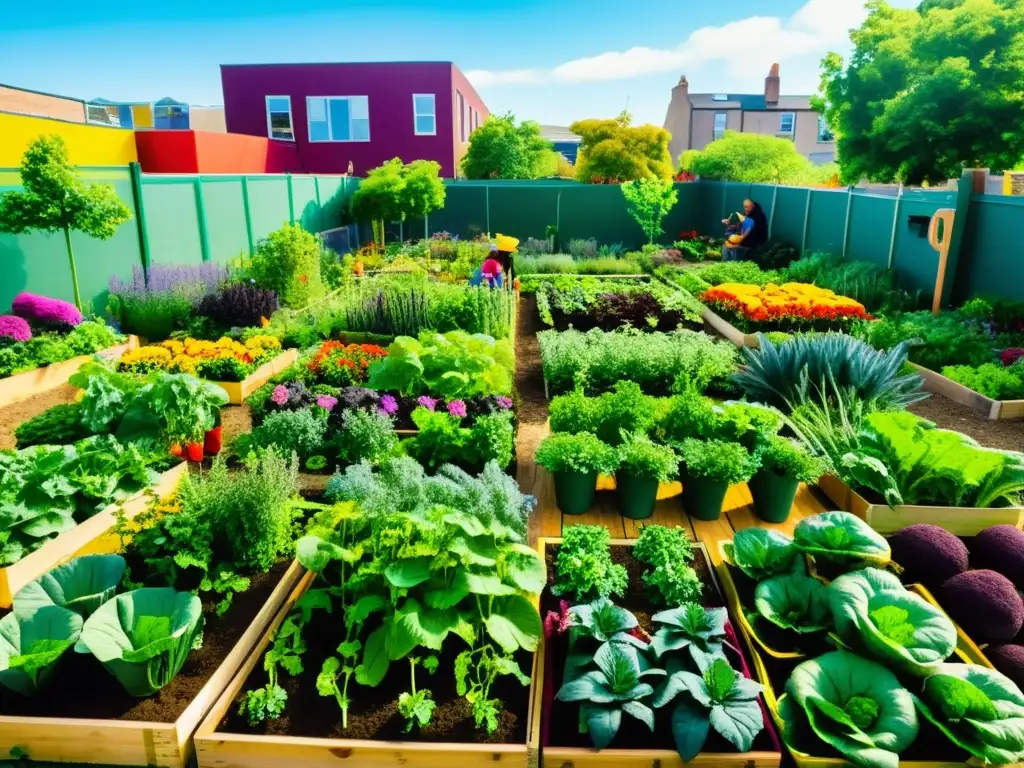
895,223
972,183
941,241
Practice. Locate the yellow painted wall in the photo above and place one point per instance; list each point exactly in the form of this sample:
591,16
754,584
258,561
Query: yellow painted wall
87,144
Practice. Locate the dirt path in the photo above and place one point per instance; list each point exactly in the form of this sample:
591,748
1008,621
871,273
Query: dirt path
12,416
533,405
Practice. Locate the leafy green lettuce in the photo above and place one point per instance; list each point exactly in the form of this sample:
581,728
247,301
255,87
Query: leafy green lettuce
794,601
841,537
761,552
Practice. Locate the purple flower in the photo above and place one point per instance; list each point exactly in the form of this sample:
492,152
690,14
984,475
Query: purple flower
503,402
327,402
388,404
14,328
430,403
43,309
457,408
280,394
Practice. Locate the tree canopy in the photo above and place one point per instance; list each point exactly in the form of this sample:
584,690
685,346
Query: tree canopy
614,151
754,159
502,149
395,191
929,91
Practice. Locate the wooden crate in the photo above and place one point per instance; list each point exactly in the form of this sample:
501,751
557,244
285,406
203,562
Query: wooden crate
22,386
958,393
90,537
239,390
218,749
960,521
724,328
588,757
122,742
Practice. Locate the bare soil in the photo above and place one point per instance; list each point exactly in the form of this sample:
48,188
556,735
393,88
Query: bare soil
1005,435
12,416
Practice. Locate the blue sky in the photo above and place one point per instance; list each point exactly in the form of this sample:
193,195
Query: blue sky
553,62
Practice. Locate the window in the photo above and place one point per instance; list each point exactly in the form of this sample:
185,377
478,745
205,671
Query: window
338,118
719,97
424,117
825,135
721,120
475,122
787,123
460,102
102,113
279,118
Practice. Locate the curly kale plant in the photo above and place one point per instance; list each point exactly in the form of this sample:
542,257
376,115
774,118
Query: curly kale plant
666,552
584,567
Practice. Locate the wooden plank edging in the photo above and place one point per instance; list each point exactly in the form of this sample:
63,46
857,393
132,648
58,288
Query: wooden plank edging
239,390
724,328
992,409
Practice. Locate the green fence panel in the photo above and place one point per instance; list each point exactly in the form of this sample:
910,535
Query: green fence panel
915,262
225,217
306,206
268,204
791,209
991,263
870,228
599,212
827,223
172,220
765,195
464,213
684,215
524,211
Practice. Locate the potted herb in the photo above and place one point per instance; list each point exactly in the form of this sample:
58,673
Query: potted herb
575,461
709,468
643,466
784,465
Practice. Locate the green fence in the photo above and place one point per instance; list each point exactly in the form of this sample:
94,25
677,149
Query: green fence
185,219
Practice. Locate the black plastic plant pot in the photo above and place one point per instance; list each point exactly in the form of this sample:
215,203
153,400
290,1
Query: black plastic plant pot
574,491
637,495
703,498
773,495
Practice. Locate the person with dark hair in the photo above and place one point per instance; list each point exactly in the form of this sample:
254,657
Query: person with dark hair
745,233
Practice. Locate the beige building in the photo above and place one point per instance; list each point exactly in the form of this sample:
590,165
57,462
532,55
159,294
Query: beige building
697,119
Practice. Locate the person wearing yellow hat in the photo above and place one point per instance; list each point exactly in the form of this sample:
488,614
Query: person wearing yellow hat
507,246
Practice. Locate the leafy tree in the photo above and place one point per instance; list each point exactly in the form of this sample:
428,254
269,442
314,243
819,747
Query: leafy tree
55,199
614,151
501,149
288,261
928,91
395,192
751,158
649,201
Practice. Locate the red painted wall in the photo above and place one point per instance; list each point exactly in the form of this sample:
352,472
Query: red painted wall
205,152
388,87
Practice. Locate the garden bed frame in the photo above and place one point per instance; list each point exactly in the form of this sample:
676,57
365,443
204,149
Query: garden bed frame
22,386
588,757
90,537
239,390
724,328
960,521
218,749
128,742
993,410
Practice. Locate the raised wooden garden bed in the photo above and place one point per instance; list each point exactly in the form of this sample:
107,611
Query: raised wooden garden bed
960,521
22,386
729,331
588,757
137,741
993,410
239,390
91,537
216,748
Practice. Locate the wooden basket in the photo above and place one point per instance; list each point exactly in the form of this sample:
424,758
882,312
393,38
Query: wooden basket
588,757
958,393
239,390
91,537
125,742
217,749
22,386
960,521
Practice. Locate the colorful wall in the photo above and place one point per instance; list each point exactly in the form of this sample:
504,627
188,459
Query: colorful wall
203,152
87,144
25,102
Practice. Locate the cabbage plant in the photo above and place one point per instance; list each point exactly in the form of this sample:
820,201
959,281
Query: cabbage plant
143,637
761,552
794,601
81,585
32,644
842,538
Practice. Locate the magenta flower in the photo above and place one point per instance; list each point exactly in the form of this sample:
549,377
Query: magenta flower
14,328
558,622
327,402
388,405
457,408
280,394
430,403
43,309
503,402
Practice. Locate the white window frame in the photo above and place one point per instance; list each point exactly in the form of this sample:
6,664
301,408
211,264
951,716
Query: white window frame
792,128
270,129
112,119
330,132
715,135
416,115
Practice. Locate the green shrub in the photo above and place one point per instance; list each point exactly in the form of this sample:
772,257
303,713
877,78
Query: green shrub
639,456
935,341
788,459
288,261
366,434
442,439
870,284
667,552
582,452
627,409
300,431
573,413
991,379
717,461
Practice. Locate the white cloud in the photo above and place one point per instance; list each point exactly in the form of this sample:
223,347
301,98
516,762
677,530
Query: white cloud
751,44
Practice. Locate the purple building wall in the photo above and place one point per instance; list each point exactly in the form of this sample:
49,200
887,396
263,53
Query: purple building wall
389,88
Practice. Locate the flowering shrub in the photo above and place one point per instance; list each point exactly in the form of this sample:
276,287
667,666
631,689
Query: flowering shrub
224,360
791,304
238,305
44,310
14,328
1011,355
342,365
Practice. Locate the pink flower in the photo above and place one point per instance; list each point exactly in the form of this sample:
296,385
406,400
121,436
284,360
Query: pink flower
45,310
388,405
14,328
457,408
327,402
279,395
558,622
430,403
503,402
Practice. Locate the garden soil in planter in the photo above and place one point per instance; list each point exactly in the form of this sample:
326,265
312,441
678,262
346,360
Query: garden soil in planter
373,714
82,688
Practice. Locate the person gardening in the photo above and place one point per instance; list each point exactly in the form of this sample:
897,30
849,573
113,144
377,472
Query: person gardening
507,246
745,233
490,273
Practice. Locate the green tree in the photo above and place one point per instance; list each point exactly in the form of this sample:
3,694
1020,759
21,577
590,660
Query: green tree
288,261
751,158
501,149
55,199
648,202
396,192
928,91
614,151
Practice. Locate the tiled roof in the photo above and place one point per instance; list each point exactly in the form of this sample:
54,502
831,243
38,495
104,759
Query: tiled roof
750,102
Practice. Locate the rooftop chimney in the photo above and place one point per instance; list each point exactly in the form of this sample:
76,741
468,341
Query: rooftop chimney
677,120
772,84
